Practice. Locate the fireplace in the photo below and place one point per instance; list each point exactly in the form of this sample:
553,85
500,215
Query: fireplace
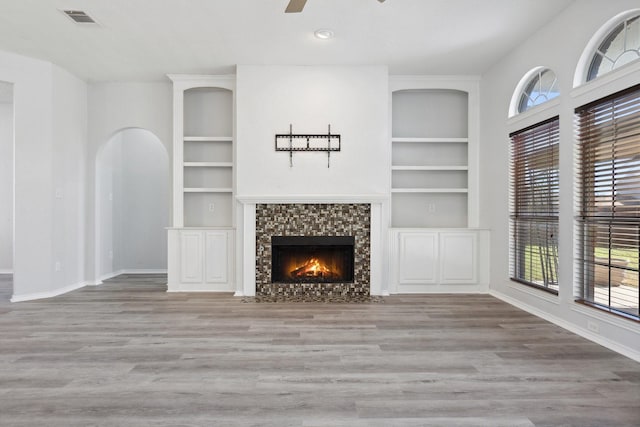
312,259
349,223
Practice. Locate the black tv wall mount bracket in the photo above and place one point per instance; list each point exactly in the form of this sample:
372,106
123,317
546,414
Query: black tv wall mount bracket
307,142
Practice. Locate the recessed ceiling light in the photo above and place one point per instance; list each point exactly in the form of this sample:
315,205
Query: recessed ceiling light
323,34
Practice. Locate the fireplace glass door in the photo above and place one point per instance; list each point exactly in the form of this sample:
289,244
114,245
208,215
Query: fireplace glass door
312,259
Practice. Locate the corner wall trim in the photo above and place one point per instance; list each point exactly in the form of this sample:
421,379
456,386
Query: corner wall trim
598,339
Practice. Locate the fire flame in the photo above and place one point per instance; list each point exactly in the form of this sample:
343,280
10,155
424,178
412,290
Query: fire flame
311,268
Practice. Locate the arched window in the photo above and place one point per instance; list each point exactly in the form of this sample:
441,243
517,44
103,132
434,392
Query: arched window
534,184
619,47
536,87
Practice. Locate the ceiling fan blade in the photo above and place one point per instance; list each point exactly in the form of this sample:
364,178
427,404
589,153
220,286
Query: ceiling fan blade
295,6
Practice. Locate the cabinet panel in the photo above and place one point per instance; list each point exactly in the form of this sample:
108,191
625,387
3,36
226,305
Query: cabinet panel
191,257
458,258
418,256
216,260
439,260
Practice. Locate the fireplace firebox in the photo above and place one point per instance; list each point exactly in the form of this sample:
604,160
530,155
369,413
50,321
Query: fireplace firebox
312,259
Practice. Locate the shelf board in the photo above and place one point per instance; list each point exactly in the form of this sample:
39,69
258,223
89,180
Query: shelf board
207,190
208,164
429,168
431,140
429,190
208,139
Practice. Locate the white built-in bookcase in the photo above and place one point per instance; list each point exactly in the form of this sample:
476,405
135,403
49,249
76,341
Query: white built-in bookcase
435,245
201,240
203,151
433,154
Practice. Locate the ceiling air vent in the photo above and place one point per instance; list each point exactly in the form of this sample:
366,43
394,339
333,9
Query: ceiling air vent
79,16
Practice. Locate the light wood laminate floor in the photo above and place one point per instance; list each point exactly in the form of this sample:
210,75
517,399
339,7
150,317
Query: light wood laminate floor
128,354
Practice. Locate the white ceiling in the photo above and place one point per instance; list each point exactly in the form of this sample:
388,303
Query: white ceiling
146,39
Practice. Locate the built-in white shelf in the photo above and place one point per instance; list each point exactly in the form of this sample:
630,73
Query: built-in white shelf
208,164
429,190
431,140
429,165
429,168
208,190
208,139
200,241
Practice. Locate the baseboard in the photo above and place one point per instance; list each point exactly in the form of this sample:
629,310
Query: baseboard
585,333
108,276
49,294
94,283
6,271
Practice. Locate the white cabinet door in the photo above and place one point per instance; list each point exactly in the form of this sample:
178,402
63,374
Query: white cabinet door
426,261
418,258
216,256
458,258
191,257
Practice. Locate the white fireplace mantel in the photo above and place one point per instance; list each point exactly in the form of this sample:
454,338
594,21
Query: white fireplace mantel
313,198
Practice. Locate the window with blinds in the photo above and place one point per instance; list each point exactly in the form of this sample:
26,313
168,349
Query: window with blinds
608,220
534,200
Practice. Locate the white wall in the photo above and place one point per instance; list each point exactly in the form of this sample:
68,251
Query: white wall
107,161
112,108
6,186
32,264
69,152
558,46
49,108
354,100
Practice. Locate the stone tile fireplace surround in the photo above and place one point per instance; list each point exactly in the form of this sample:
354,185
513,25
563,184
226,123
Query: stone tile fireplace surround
317,219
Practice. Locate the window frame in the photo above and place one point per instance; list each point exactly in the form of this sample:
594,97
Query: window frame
580,81
514,113
598,54
535,79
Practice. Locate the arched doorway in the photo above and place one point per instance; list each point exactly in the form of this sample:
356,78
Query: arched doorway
132,204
